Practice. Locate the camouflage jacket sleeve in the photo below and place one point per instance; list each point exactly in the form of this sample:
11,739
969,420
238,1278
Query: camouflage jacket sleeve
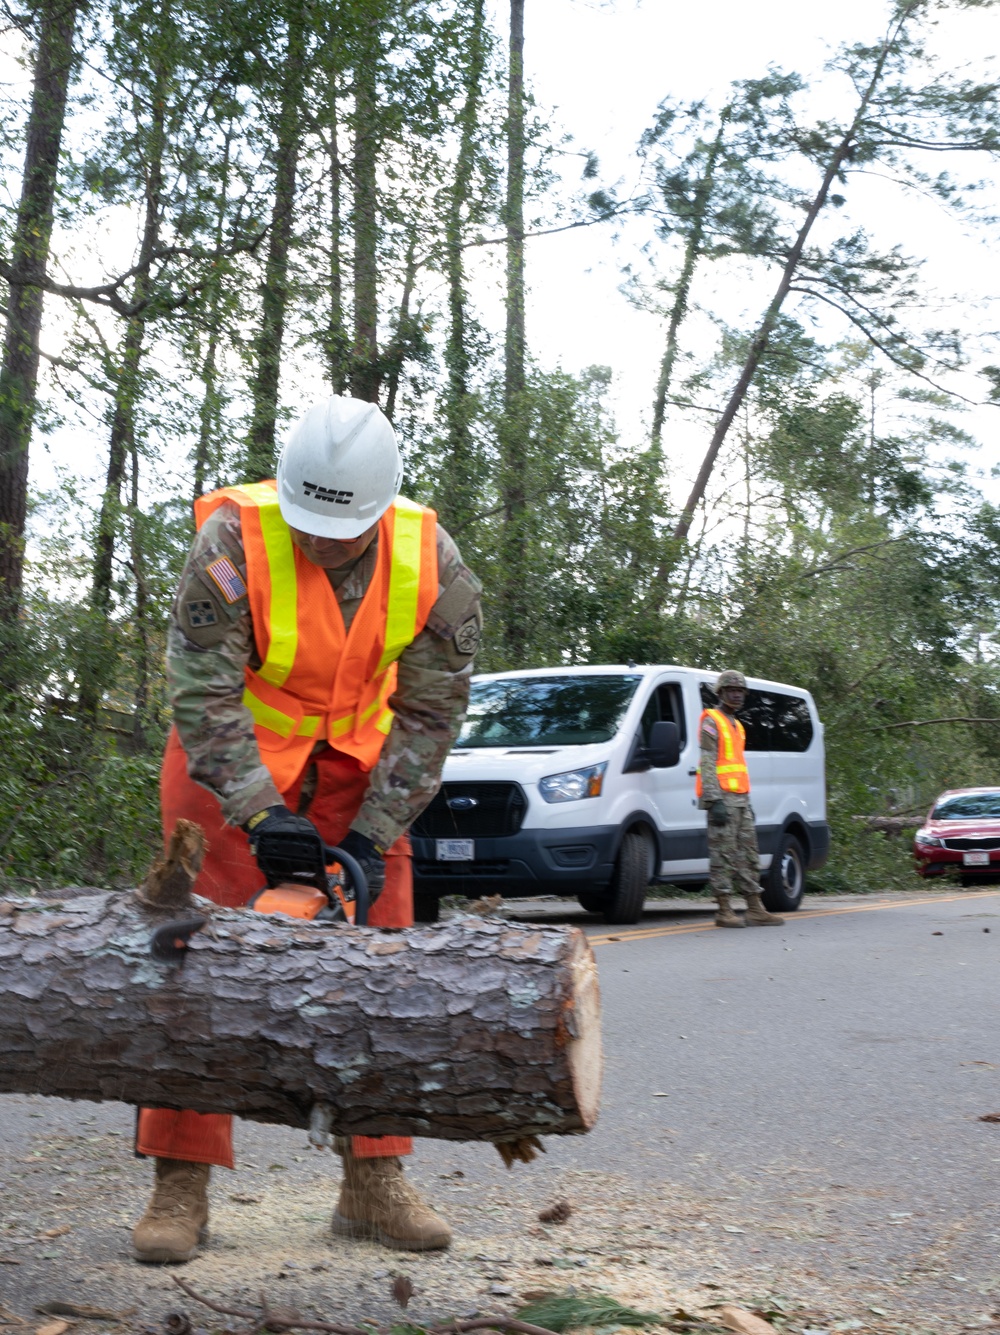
209,643
711,789
430,700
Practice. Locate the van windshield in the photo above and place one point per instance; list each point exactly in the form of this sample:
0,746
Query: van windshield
546,711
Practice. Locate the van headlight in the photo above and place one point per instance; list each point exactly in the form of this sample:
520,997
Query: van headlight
574,784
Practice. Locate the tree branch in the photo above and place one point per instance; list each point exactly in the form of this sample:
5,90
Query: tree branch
926,722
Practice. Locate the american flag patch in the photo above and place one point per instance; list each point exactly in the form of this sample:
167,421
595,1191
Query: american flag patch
228,578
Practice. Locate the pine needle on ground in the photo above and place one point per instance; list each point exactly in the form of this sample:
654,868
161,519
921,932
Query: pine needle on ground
570,1311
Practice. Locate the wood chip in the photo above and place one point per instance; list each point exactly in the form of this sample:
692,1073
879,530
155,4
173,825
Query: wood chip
402,1290
58,1232
990,1117
53,1328
736,1318
556,1214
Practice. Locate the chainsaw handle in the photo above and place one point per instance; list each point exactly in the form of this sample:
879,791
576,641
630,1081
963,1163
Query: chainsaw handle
359,881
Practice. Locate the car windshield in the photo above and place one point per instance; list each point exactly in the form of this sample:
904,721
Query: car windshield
969,806
546,711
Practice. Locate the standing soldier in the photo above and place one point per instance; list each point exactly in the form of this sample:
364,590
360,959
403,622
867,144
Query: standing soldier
319,657
723,788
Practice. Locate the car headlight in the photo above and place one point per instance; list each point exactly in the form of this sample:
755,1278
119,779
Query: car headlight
574,784
926,840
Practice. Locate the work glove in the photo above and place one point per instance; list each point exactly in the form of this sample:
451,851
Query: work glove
717,813
287,847
368,855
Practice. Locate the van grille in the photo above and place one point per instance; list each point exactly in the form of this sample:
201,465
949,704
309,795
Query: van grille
499,810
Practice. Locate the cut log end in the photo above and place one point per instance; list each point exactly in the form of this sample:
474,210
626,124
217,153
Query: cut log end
584,1025
169,883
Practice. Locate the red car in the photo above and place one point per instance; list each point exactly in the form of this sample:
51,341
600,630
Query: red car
961,834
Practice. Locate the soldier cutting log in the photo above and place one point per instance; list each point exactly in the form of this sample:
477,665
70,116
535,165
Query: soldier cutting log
319,656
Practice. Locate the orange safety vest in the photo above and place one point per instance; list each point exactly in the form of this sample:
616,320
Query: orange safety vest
316,679
734,777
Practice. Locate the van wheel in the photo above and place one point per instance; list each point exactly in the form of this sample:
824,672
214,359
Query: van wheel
426,908
594,901
624,901
785,880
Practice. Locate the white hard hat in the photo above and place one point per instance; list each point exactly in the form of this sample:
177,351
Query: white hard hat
340,469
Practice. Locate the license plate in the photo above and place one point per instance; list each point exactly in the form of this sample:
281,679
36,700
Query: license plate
976,859
456,850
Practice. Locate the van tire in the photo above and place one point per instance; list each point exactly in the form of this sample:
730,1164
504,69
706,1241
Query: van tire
630,881
426,908
593,901
784,882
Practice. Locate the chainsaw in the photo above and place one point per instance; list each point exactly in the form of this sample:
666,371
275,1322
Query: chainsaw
307,878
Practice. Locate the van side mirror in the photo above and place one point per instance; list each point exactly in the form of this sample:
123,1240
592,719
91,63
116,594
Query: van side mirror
664,747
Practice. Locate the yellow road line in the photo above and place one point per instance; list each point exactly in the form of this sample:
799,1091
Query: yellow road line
679,929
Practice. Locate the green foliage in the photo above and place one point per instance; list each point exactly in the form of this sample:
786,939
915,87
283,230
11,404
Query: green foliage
78,797
573,1311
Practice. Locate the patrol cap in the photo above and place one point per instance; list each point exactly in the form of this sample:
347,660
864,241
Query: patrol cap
731,678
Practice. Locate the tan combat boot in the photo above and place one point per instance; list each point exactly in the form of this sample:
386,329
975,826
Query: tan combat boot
758,915
376,1201
725,916
176,1219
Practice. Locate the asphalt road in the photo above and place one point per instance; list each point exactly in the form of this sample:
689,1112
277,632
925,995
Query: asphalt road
802,1097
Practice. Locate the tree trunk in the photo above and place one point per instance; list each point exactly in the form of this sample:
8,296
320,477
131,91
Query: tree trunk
29,257
682,292
403,340
274,298
337,344
142,657
365,370
96,666
457,493
758,345
514,592
473,1030
206,453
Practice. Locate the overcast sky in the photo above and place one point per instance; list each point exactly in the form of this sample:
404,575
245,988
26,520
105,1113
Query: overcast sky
602,69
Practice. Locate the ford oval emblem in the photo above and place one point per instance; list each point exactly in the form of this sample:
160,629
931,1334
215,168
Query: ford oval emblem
462,803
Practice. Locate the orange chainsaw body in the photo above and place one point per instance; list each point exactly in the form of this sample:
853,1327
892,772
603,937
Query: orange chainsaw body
299,901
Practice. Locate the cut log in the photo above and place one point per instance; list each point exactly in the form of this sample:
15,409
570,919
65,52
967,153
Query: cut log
476,1029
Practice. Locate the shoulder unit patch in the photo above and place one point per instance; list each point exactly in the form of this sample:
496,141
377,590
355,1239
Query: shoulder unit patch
228,579
200,612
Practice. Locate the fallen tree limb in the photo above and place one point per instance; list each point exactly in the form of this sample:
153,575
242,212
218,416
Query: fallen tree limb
927,722
476,1029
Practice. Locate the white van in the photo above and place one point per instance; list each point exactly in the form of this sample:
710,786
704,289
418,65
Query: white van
580,781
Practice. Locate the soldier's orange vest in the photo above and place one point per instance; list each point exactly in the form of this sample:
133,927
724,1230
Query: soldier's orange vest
316,679
734,777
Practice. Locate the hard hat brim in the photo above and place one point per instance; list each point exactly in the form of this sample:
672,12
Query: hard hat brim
325,526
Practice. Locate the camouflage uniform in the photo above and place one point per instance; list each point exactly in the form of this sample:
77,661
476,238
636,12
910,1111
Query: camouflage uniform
211,641
733,856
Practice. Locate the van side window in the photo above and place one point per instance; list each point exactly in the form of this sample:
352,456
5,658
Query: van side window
792,729
664,706
773,720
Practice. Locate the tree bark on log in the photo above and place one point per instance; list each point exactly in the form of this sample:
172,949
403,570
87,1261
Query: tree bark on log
477,1029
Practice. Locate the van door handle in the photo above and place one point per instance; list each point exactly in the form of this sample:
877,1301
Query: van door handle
692,773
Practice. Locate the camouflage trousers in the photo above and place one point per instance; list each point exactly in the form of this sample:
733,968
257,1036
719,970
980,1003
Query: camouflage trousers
733,856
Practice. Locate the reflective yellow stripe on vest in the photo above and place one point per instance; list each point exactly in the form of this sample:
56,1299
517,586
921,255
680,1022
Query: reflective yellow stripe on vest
277,721
404,582
283,612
